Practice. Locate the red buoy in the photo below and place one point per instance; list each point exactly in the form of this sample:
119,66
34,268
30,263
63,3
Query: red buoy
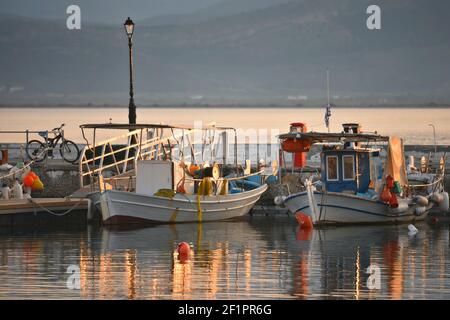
304,220
393,202
184,250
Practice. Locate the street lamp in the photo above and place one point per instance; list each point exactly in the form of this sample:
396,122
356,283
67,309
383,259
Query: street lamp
129,29
434,136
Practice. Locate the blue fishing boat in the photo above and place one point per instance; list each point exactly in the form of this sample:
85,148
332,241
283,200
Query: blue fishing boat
363,179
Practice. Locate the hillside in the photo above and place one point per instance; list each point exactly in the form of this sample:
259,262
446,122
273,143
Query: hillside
268,52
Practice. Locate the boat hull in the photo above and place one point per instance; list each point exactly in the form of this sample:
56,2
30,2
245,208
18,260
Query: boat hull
346,209
119,207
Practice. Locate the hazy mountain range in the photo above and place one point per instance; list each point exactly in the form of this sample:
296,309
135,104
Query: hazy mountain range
223,50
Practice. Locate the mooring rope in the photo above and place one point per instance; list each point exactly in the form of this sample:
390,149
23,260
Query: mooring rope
36,204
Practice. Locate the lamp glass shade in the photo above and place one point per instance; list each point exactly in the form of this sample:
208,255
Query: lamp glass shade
129,27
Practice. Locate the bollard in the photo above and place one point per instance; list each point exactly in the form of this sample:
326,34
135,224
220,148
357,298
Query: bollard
4,157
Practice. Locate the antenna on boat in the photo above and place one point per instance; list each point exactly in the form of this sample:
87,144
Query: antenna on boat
328,106
328,86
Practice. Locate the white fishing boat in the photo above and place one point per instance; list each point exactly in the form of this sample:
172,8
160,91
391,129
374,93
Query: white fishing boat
159,178
361,183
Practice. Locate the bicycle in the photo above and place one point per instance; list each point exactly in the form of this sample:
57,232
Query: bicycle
38,151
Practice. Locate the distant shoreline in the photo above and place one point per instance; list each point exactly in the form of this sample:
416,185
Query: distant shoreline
227,106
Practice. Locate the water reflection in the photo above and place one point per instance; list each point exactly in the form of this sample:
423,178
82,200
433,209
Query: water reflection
256,259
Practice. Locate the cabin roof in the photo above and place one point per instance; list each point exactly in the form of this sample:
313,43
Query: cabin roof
317,137
126,126
354,150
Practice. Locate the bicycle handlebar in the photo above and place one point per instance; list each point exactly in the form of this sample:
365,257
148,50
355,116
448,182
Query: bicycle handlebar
58,128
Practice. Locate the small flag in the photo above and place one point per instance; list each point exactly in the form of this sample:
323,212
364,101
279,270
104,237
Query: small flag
327,115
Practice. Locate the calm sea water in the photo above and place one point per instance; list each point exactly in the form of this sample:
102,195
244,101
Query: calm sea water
259,258
411,124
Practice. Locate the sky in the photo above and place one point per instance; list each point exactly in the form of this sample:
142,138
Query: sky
103,11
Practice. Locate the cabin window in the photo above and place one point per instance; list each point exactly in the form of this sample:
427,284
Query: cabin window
348,163
332,168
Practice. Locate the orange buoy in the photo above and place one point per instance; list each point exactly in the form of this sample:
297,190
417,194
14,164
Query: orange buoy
33,175
304,220
193,168
28,181
183,250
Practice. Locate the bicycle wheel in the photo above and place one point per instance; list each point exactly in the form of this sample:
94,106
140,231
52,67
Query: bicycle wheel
69,151
36,150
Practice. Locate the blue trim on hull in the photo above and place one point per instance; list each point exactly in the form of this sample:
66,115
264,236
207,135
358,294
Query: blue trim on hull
359,210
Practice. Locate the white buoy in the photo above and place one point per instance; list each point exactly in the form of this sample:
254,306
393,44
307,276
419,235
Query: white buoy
412,230
421,201
437,197
420,210
444,205
279,200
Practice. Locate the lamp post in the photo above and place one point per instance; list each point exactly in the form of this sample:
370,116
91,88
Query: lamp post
434,136
129,29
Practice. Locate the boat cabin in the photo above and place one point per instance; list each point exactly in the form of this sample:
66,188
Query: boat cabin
350,169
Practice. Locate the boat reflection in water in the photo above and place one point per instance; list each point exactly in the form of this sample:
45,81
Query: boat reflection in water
262,258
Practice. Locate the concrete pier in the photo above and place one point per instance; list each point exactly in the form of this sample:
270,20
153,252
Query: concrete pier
43,211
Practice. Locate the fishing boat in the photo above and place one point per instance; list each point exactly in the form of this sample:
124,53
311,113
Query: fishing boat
159,176
363,179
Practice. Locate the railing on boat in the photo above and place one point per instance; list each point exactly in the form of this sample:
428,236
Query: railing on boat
142,144
146,143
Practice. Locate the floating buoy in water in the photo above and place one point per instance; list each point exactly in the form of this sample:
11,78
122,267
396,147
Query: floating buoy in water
304,220
183,250
412,229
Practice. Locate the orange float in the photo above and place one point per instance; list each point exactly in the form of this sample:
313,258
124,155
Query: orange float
28,181
297,146
183,250
304,220
33,175
193,168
